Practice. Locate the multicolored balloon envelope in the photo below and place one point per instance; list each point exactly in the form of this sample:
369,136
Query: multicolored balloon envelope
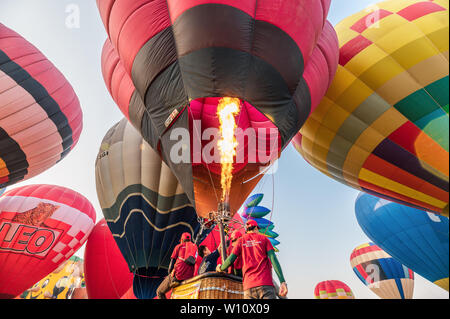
253,200
417,239
381,273
144,205
169,63
106,271
41,226
255,211
263,223
383,126
66,282
333,289
40,115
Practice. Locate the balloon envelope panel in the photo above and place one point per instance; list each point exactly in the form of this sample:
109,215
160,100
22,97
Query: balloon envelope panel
41,227
181,57
107,273
40,115
66,282
253,200
383,126
333,289
381,273
144,206
417,239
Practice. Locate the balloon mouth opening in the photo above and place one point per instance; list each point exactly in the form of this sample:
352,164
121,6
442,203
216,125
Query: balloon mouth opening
257,139
146,281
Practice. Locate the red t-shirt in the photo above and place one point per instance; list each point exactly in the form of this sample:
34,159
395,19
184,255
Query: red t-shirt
256,266
182,251
237,263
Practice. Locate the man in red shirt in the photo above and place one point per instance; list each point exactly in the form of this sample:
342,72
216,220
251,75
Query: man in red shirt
236,268
258,257
181,265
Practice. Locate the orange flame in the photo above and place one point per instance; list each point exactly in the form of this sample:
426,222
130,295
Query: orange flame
226,111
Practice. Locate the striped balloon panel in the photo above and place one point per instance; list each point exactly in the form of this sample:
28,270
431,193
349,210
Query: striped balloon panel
210,48
333,289
383,274
383,125
144,205
40,115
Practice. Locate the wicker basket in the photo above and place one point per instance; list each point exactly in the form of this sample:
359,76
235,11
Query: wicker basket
211,285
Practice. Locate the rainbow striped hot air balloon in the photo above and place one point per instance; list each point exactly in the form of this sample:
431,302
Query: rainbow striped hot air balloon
333,289
417,239
381,273
383,126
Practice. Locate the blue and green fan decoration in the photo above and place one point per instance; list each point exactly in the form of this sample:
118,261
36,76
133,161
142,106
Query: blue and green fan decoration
252,210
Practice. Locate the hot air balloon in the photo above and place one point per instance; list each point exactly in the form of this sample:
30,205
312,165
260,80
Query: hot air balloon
169,64
381,273
144,206
66,282
41,226
40,115
417,239
383,126
106,271
333,289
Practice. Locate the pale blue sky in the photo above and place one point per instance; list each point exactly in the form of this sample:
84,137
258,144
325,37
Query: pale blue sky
313,214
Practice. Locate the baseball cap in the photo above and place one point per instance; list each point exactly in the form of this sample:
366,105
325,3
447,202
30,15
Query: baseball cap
250,223
185,236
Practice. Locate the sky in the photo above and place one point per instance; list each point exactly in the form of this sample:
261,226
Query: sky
313,214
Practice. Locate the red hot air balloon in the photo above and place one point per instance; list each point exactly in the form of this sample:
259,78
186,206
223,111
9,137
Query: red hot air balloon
106,271
333,289
41,226
40,115
168,64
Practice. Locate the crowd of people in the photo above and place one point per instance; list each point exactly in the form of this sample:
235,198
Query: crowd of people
251,256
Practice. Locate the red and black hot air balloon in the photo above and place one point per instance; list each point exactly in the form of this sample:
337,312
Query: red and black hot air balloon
168,64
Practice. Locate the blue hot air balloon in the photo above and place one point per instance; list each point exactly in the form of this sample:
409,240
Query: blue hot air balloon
417,239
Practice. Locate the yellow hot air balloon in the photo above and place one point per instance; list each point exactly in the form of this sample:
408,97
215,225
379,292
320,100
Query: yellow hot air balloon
66,282
383,126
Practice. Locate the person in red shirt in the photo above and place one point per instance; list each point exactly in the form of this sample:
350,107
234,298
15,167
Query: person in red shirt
181,265
258,257
236,268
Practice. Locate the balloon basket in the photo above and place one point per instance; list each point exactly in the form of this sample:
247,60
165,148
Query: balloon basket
211,285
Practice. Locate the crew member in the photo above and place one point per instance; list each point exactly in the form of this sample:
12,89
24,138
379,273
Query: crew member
209,261
181,265
236,268
258,257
